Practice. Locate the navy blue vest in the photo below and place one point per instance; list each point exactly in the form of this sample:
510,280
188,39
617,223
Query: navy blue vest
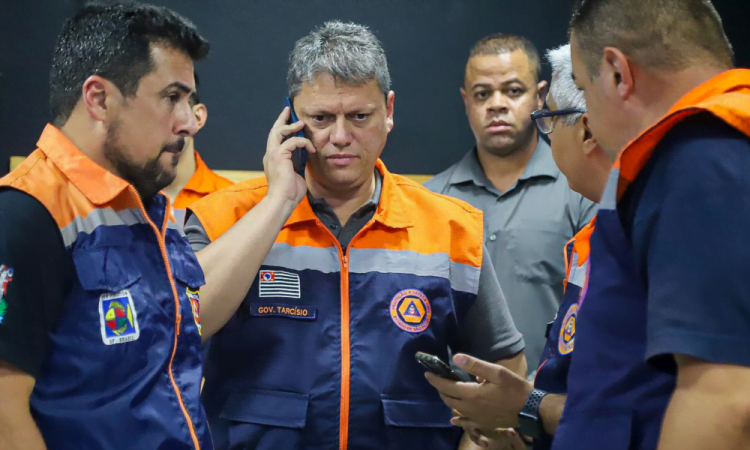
616,401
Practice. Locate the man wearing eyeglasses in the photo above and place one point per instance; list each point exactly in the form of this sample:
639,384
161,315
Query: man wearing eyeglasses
529,210
508,400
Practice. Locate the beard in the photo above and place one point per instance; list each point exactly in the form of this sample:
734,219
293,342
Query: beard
148,178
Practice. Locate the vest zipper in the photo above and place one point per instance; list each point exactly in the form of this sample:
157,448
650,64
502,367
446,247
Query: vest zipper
178,315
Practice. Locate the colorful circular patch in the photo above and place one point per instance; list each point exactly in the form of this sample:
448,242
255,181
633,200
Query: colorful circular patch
118,318
568,331
411,311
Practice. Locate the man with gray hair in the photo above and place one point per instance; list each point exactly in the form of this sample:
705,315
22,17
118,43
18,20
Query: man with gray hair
536,407
358,273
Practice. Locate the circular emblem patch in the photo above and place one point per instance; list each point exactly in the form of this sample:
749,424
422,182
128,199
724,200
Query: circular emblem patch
568,331
411,311
118,318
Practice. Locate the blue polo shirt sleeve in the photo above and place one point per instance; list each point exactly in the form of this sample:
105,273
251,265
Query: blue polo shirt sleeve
689,219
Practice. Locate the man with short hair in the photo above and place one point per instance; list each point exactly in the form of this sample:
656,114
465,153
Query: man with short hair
505,396
100,343
664,326
194,179
529,210
362,273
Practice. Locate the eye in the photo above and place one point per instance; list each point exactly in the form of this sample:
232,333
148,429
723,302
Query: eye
361,116
318,118
515,92
174,97
482,95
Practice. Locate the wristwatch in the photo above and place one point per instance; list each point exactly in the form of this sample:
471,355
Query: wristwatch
529,419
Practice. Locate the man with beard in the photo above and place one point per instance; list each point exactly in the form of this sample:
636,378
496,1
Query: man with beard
100,342
530,212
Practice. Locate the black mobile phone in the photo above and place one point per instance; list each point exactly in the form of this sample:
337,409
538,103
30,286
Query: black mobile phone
436,365
299,155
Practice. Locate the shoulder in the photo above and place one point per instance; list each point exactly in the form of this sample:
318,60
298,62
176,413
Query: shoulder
439,182
702,152
218,211
219,181
423,197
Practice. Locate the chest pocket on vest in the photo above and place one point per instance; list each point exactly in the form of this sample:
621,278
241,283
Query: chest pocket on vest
185,266
108,265
418,423
265,420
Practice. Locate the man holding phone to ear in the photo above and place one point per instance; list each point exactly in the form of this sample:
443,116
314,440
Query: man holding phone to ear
362,275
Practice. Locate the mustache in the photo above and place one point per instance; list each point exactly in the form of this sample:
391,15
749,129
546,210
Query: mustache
175,146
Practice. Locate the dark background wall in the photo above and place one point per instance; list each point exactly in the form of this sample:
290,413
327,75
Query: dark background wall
243,79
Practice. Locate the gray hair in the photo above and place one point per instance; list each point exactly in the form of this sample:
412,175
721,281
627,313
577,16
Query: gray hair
348,51
563,89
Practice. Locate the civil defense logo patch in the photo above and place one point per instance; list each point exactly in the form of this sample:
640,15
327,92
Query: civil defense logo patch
119,321
411,311
568,331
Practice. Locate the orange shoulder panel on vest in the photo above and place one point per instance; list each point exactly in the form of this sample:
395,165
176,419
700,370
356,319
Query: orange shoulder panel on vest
220,210
203,182
726,96
435,223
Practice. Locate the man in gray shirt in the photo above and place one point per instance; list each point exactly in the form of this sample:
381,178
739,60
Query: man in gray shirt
530,212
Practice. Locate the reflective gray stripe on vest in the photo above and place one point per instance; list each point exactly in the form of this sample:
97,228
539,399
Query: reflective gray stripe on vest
98,217
577,275
463,277
303,257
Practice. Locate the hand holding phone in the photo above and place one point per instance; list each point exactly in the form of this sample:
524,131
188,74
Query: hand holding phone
435,365
299,155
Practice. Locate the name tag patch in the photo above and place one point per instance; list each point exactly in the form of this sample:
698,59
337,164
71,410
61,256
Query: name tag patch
282,310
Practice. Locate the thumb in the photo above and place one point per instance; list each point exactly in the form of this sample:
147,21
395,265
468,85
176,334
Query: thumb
480,369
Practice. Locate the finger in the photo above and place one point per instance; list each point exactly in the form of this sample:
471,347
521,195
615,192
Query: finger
291,128
295,143
283,118
482,369
455,389
451,402
464,422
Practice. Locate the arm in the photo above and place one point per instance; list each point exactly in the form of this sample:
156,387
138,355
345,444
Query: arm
689,236
36,272
229,262
17,428
710,407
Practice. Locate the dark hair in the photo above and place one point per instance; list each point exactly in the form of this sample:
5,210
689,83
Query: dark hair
195,97
113,40
661,34
498,43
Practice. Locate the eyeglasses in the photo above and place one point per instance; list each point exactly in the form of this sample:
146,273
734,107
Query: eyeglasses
545,119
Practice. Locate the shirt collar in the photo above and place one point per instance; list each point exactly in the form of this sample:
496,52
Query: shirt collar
541,164
391,210
200,181
372,202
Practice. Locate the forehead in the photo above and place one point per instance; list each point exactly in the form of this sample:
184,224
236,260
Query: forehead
499,67
326,92
170,66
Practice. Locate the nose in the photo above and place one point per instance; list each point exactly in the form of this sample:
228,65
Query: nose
185,123
497,102
340,135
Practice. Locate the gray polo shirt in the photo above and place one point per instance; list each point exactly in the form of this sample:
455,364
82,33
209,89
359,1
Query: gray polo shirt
487,332
525,231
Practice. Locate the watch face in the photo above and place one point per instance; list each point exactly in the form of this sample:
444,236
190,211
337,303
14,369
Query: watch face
528,425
